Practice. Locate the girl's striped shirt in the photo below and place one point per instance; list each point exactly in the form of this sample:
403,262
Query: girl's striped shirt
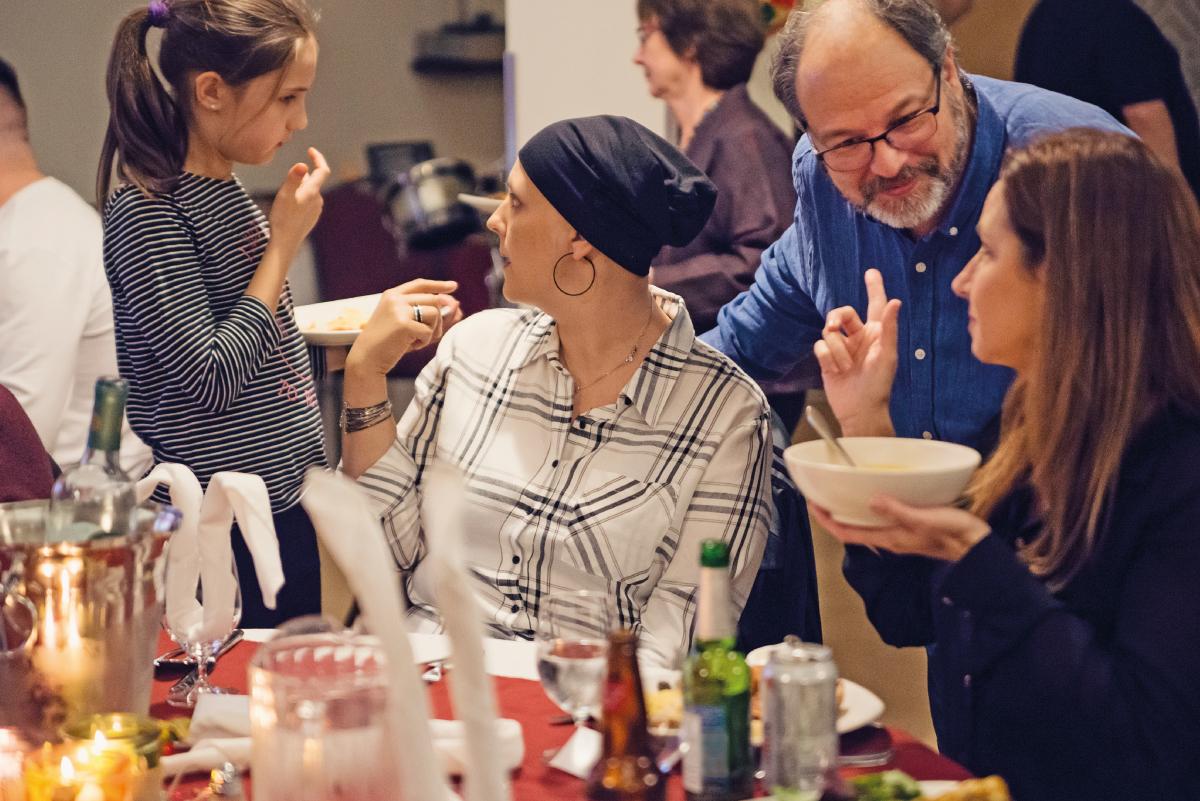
217,381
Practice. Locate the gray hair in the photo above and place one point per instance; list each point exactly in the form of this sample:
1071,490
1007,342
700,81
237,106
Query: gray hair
917,22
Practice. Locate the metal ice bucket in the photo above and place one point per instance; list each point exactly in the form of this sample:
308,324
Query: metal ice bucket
80,620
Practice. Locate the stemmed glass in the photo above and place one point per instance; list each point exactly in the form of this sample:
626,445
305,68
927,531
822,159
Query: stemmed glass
200,639
572,651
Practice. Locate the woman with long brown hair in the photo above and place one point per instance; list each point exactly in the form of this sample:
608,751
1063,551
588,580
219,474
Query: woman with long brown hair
1063,607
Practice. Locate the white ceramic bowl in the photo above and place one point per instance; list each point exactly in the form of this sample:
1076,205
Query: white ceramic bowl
920,472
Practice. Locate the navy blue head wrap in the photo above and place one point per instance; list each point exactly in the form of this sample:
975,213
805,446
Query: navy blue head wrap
625,189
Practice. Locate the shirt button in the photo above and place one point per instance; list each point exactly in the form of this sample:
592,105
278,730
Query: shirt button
967,681
927,434
554,463
919,353
516,560
921,267
628,401
954,230
582,423
515,608
947,600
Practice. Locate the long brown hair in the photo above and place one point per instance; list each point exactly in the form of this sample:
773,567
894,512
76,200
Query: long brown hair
1115,237
147,136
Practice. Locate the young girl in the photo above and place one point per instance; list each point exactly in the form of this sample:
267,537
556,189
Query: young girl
219,375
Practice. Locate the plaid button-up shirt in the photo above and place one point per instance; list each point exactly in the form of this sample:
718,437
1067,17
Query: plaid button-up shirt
616,500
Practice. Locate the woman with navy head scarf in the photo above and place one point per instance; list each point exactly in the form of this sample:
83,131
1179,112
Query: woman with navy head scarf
599,440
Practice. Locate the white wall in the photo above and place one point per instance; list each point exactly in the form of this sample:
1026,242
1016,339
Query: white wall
574,58
365,91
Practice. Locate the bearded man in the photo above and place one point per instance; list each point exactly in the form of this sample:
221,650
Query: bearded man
900,148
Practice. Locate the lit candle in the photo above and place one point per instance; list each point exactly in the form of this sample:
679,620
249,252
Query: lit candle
73,773
136,737
12,754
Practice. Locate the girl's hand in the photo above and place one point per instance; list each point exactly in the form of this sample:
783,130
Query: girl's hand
393,329
939,532
298,202
858,361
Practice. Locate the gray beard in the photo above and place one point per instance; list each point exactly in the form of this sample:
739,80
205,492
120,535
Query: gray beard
923,204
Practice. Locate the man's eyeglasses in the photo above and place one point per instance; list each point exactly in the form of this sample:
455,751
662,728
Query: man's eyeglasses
904,134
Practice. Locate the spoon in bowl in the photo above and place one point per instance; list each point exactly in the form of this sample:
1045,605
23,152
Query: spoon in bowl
817,420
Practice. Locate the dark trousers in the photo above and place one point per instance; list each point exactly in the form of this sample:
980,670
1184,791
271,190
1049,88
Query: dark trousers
301,592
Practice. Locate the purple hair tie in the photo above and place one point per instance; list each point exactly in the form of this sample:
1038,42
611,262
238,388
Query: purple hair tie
160,12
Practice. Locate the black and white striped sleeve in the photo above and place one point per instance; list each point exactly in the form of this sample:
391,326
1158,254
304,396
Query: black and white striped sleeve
152,262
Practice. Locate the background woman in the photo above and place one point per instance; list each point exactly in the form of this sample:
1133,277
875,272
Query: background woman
1063,606
697,56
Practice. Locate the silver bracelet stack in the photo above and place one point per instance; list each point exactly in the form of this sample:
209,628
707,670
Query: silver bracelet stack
357,419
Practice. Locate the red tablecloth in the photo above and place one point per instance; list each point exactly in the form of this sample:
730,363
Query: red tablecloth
527,702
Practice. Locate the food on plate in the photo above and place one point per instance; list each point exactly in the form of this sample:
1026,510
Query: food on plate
895,785
350,319
890,785
664,707
991,788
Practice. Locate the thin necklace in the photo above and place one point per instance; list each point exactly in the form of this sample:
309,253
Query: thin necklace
628,359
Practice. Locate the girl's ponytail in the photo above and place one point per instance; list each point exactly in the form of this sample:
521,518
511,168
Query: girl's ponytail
147,137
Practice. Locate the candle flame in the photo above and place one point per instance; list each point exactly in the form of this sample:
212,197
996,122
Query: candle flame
100,740
66,769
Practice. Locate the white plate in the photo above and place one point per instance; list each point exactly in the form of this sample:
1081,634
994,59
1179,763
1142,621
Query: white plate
860,707
931,789
315,318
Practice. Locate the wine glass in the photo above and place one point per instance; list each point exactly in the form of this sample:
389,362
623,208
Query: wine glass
572,651
201,639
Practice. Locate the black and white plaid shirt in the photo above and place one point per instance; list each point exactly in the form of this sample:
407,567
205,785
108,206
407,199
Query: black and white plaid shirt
617,500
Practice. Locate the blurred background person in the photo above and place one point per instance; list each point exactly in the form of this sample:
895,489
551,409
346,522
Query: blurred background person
697,56
1112,54
26,471
56,324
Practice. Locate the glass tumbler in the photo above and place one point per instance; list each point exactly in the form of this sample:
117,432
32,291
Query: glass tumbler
318,712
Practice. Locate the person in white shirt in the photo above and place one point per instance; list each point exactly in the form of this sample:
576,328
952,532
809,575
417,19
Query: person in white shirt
56,324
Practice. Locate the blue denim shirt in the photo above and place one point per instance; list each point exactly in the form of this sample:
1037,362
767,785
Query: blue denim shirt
941,389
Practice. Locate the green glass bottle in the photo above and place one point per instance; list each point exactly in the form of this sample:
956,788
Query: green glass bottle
717,765
96,497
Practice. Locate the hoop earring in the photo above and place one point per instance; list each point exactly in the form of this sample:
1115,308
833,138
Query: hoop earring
558,286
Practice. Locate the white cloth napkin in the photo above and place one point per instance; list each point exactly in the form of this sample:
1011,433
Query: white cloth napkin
352,534
208,754
220,731
183,554
243,497
201,549
470,687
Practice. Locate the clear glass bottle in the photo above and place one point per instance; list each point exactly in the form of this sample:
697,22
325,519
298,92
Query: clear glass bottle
717,765
96,497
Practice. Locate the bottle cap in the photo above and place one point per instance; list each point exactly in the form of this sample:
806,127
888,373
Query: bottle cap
714,553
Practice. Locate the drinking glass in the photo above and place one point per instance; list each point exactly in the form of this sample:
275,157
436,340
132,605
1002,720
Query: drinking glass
201,639
318,718
572,651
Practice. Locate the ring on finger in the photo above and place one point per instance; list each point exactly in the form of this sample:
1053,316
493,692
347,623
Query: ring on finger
416,313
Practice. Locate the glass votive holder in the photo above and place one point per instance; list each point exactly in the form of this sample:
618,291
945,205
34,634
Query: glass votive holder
137,736
71,772
13,749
